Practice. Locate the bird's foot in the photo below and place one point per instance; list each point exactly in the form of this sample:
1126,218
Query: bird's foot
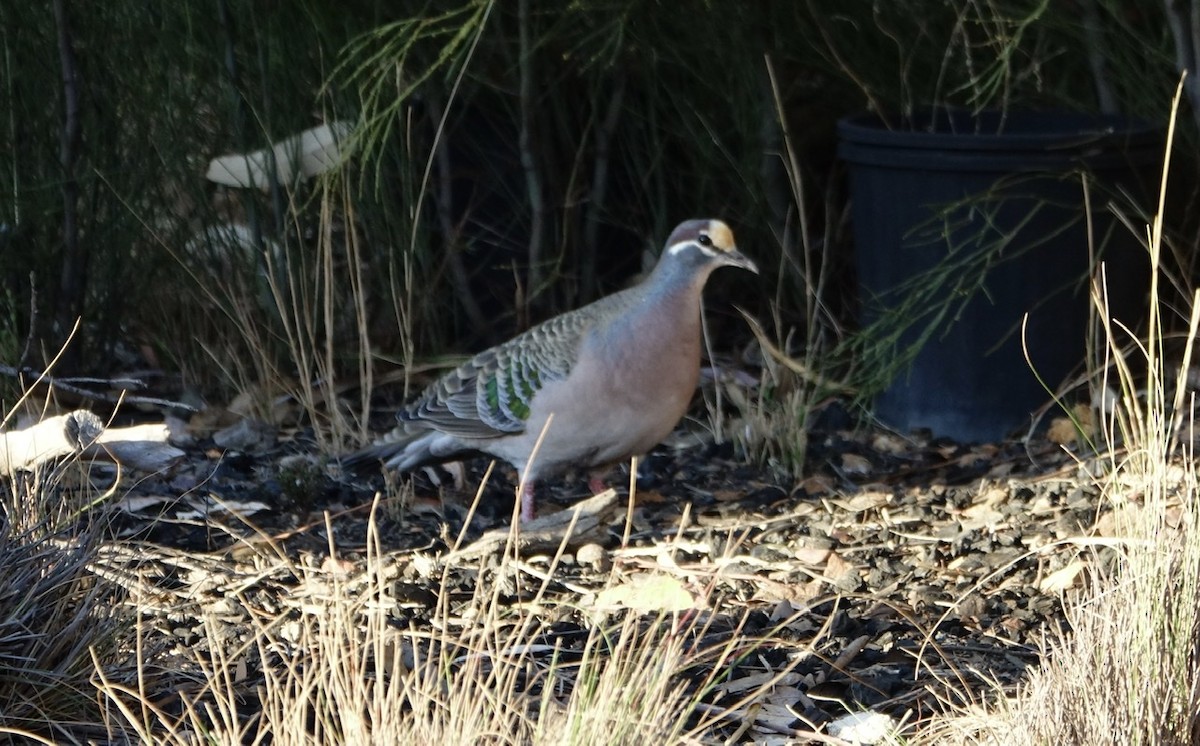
528,508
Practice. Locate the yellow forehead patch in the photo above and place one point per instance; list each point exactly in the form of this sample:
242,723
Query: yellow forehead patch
721,236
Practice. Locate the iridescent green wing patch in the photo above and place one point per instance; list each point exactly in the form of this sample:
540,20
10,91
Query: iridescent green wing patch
494,393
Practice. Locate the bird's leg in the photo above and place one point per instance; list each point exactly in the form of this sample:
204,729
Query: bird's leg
528,509
596,484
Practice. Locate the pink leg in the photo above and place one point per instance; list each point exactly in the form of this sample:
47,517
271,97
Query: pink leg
528,509
596,484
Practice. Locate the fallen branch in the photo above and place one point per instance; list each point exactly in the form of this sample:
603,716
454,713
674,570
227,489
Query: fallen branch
142,447
49,439
545,534
81,432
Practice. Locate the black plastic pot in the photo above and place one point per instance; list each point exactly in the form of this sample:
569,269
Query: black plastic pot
963,186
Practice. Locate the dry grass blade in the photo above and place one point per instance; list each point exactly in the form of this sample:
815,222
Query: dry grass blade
331,665
796,366
56,617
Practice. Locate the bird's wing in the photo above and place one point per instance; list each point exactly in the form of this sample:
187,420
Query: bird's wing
491,394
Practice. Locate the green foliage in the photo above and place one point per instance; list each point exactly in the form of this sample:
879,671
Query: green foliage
512,160
159,91
972,242
622,134
908,56
388,65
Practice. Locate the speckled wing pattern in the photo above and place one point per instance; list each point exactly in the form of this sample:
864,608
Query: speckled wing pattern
491,394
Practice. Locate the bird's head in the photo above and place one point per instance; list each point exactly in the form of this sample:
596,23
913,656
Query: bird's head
704,245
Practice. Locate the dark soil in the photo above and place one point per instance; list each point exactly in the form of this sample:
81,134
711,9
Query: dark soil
901,575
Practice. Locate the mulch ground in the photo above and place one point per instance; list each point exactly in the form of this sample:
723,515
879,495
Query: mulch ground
901,575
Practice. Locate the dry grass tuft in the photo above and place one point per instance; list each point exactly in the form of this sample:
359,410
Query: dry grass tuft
56,617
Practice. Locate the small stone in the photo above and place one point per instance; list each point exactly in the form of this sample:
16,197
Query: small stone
594,556
864,728
246,435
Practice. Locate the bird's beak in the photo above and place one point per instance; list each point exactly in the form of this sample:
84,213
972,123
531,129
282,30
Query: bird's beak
736,258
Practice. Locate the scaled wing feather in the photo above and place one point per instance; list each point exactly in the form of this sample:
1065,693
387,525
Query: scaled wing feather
491,394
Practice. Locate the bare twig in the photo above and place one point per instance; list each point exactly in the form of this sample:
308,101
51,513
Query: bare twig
790,363
533,183
451,233
582,522
875,104
1096,59
241,109
1183,21
15,187
599,192
68,386
23,358
74,262
792,168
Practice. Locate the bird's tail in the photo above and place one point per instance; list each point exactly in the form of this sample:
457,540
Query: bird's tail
398,449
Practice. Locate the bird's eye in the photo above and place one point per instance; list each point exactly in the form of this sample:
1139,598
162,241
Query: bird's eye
704,240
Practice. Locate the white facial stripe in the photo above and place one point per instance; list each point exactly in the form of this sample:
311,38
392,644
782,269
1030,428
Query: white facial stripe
675,248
